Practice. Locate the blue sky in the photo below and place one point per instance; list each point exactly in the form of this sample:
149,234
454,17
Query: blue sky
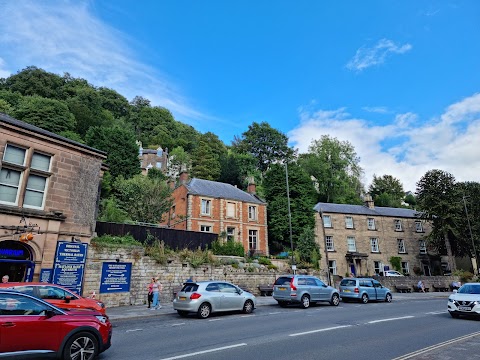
400,80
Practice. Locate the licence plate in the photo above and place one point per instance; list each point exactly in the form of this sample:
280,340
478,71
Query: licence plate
346,290
464,308
282,288
183,298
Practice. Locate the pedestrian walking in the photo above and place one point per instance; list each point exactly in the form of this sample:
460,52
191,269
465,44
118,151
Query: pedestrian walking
157,288
5,279
150,292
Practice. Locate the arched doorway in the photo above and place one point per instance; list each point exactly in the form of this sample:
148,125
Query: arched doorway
16,260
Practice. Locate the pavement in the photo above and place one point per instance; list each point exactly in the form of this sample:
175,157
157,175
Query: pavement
141,311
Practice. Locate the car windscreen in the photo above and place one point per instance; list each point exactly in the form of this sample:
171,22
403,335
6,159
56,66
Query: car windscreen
190,287
283,280
469,289
348,282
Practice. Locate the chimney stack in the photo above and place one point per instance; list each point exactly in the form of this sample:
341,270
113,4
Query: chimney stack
369,202
252,188
183,178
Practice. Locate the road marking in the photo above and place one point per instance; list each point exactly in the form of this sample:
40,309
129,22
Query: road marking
436,312
204,352
218,319
132,330
391,319
320,330
244,316
178,324
275,313
437,346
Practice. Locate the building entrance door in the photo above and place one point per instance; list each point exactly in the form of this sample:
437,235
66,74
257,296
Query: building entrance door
16,261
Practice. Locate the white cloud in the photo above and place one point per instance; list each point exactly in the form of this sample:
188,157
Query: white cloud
406,148
65,36
376,109
366,57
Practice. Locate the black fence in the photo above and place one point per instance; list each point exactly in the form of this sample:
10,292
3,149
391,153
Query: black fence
174,239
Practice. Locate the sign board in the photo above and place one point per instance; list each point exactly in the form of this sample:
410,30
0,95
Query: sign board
115,277
69,266
46,275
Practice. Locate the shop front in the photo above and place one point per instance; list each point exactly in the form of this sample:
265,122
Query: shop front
16,260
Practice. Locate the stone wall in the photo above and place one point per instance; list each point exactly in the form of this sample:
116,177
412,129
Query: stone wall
171,275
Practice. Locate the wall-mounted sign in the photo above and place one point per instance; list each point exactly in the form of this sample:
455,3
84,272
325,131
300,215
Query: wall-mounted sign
46,275
115,277
69,266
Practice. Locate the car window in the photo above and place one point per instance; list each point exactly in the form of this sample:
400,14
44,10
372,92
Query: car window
320,283
310,282
53,293
348,282
24,289
188,287
227,288
376,284
212,287
366,283
13,304
284,280
301,281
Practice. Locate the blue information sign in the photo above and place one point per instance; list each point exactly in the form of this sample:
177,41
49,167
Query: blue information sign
46,275
115,277
70,252
69,265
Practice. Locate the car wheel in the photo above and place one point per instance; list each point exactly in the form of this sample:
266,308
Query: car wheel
248,307
204,311
335,300
364,298
453,315
82,345
282,304
388,298
182,313
305,301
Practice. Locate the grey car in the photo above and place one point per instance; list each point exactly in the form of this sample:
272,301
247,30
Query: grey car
364,290
207,297
303,290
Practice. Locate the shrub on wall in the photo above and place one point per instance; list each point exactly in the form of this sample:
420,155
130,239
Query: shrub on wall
229,248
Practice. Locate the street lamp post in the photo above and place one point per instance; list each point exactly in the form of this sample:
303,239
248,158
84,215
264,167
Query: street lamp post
475,267
294,267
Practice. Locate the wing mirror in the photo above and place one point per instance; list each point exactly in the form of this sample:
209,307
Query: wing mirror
67,299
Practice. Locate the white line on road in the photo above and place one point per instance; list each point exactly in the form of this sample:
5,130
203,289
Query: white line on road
132,330
436,312
320,330
215,319
178,324
204,352
391,319
244,316
437,346
275,313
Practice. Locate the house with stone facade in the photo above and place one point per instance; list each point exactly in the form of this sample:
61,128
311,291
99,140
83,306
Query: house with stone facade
152,158
361,239
49,186
223,209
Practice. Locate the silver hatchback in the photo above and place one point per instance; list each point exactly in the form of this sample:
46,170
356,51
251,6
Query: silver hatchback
303,290
206,297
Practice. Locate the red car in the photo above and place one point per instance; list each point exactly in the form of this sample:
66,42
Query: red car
56,295
32,326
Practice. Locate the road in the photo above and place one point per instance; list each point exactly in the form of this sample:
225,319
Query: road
421,328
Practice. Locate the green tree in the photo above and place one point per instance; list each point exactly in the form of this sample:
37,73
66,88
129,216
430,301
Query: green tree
307,248
266,144
235,168
440,202
302,200
387,191
120,146
205,163
179,158
114,102
335,166
49,114
143,198
411,200
470,192
35,81
111,212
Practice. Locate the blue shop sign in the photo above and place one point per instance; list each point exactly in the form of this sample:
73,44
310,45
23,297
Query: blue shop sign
69,276
115,277
70,252
46,275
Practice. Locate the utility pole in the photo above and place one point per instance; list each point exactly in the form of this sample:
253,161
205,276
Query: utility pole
475,266
294,266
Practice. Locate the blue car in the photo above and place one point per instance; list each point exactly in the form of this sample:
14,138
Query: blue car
364,290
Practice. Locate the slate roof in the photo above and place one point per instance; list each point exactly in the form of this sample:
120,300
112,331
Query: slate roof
363,210
10,120
220,190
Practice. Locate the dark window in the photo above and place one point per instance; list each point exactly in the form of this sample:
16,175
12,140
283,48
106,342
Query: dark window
348,282
283,281
212,287
311,282
190,288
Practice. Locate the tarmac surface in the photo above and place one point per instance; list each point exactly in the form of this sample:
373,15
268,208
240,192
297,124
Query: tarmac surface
139,311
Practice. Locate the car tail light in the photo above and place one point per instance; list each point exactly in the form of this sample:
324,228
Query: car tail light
195,296
293,287
356,290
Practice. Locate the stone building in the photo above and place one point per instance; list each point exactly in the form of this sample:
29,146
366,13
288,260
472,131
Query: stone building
149,158
361,239
210,206
49,186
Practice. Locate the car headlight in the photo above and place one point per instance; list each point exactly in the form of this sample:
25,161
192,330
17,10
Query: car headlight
476,302
101,318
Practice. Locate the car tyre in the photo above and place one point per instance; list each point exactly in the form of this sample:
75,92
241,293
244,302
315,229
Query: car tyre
82,342
364,298
305,301
248,307
204,311
335,300
182,313
388,298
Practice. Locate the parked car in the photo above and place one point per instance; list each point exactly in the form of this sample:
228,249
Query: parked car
303,290
29,326
392,273
207,297
364,290
56,295
465,301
